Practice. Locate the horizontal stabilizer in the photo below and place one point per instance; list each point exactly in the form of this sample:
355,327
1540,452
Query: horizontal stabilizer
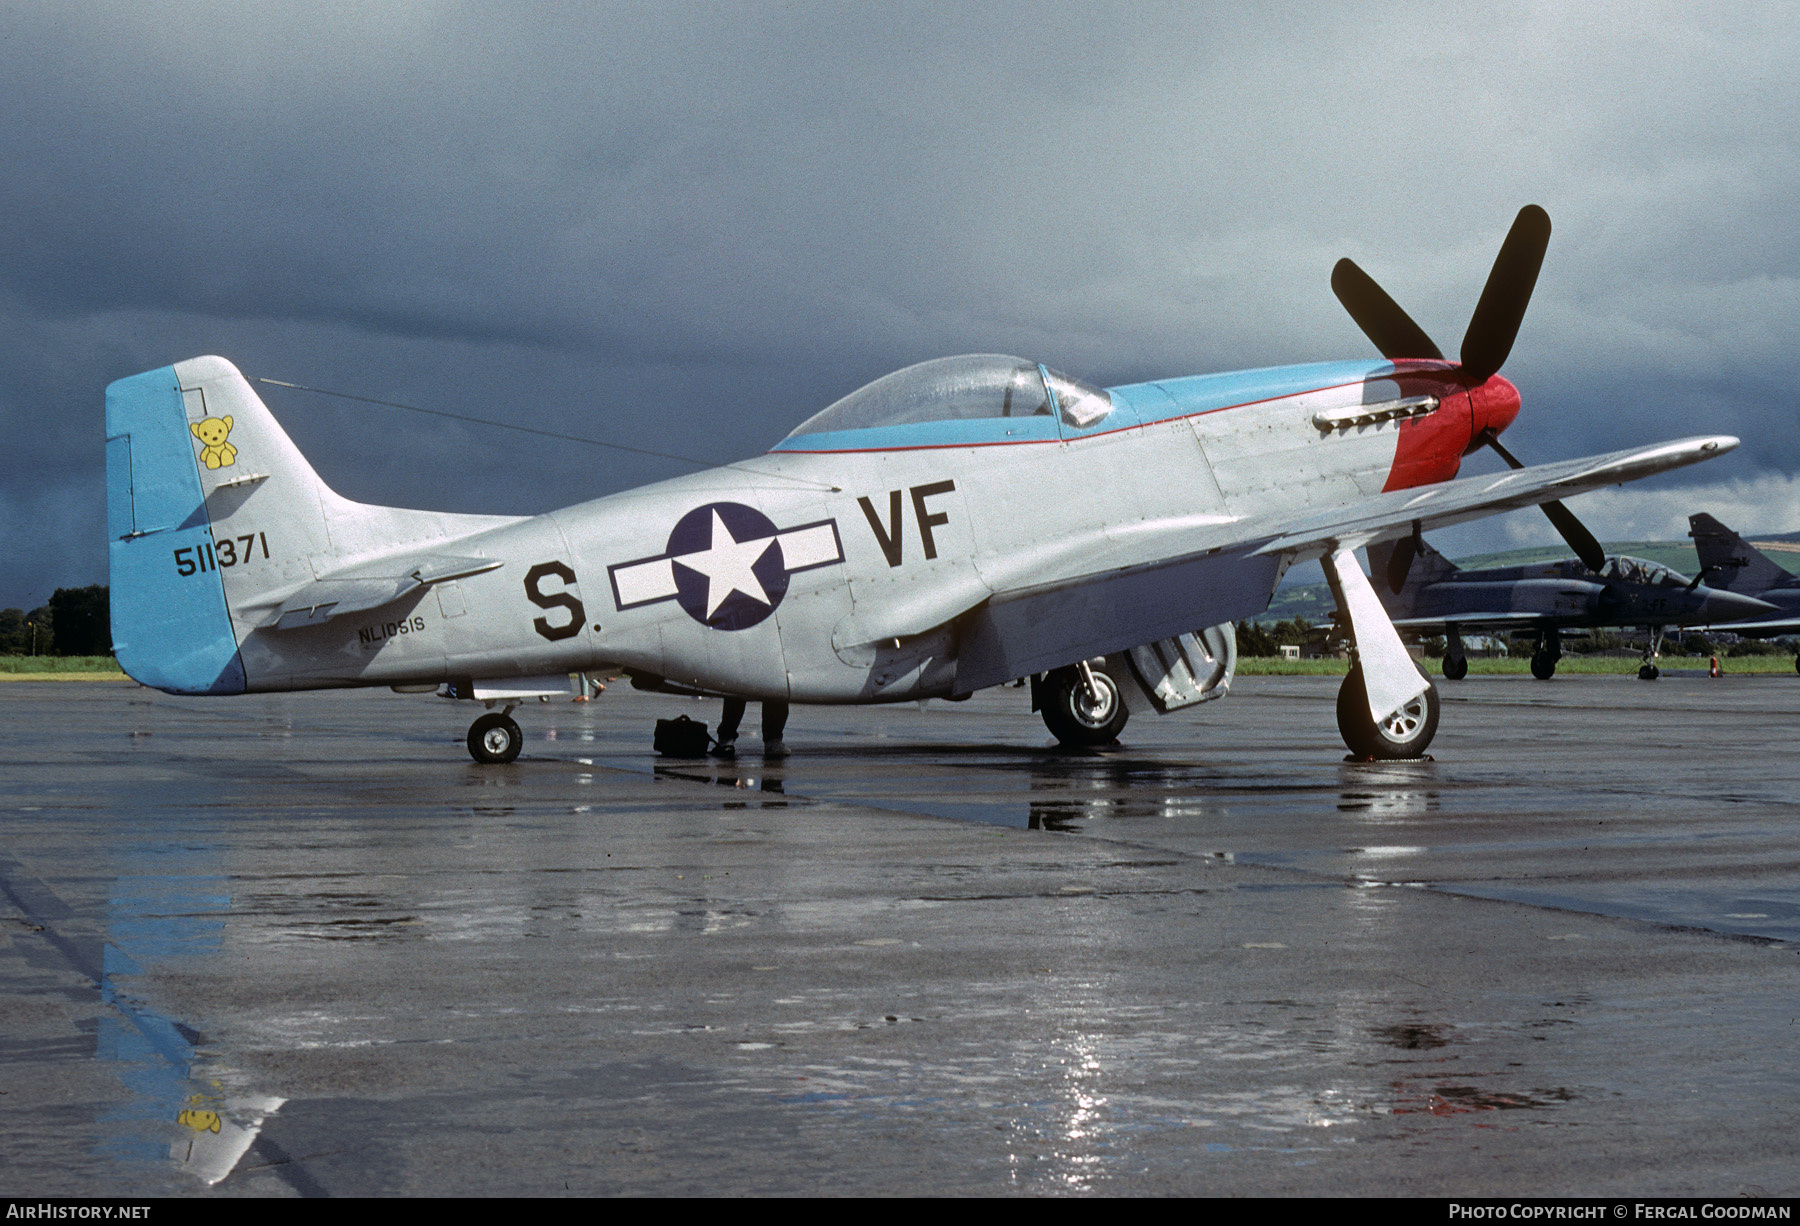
357,589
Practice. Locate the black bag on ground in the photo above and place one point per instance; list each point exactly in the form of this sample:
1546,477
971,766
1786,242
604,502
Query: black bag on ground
681,737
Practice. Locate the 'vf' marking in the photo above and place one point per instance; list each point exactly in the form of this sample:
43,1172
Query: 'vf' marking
888,535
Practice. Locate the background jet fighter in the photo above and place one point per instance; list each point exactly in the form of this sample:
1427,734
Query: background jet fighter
1732,564
1545,598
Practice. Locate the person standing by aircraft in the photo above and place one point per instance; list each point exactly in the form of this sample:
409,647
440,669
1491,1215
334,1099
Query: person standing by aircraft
774,723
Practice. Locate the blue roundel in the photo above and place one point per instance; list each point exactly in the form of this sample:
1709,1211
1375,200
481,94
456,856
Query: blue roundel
729,572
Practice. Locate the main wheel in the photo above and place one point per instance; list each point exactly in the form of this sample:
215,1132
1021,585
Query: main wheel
494,738
1404,734
1543,667
1076,717
1649,672
1456,667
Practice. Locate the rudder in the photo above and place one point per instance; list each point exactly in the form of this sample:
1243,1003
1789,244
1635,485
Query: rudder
1428,566
170,625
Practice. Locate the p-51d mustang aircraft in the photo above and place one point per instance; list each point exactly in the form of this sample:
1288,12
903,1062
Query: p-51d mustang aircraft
959,524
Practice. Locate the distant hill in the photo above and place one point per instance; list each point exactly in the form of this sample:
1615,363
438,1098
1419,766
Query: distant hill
1779,542
1313,600
1677,555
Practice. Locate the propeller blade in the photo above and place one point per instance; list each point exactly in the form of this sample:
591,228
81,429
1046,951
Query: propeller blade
1379,316
1495,324
1573,530
1401,560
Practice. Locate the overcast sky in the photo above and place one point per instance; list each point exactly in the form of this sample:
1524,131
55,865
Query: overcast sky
689,227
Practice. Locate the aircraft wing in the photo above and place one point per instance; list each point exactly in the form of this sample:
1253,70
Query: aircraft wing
1762,629
1453,502
1483,621
1140,582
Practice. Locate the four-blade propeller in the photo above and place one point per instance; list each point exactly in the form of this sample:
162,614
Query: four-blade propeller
1485,346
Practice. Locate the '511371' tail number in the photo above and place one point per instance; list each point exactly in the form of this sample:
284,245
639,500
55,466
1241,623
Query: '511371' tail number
227,551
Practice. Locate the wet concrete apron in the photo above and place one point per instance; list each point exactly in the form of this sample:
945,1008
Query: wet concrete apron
301,945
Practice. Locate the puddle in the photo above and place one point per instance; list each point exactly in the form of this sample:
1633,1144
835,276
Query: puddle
1042,792
1768,912
1413,1036
1450,1099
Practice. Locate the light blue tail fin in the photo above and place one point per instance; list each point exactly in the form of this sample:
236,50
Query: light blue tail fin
214,519
170,625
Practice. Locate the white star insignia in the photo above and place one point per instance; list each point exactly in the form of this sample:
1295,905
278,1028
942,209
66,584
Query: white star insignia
727,564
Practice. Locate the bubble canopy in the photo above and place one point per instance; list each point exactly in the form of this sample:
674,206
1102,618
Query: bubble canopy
968,388
1637,570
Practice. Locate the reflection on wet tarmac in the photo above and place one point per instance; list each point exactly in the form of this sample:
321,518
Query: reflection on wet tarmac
1058,792
163,905
1388,791
1446,1099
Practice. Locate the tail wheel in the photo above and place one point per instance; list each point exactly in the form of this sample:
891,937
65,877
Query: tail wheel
1404,734
1078,714
495,739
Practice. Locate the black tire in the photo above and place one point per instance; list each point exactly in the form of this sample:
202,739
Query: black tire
1649,672
494,739
1404,735
1456,669
1543,667
1797,664
1073,718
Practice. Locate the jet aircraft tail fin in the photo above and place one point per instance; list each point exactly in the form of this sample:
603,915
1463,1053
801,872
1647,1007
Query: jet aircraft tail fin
1428,566
1730,563
214,517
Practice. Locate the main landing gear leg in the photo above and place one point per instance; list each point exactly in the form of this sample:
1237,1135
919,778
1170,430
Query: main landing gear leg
495,739
1456,658
1647,671
1549,651
1386,707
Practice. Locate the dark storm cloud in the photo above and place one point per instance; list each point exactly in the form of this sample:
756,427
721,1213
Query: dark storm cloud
689,227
